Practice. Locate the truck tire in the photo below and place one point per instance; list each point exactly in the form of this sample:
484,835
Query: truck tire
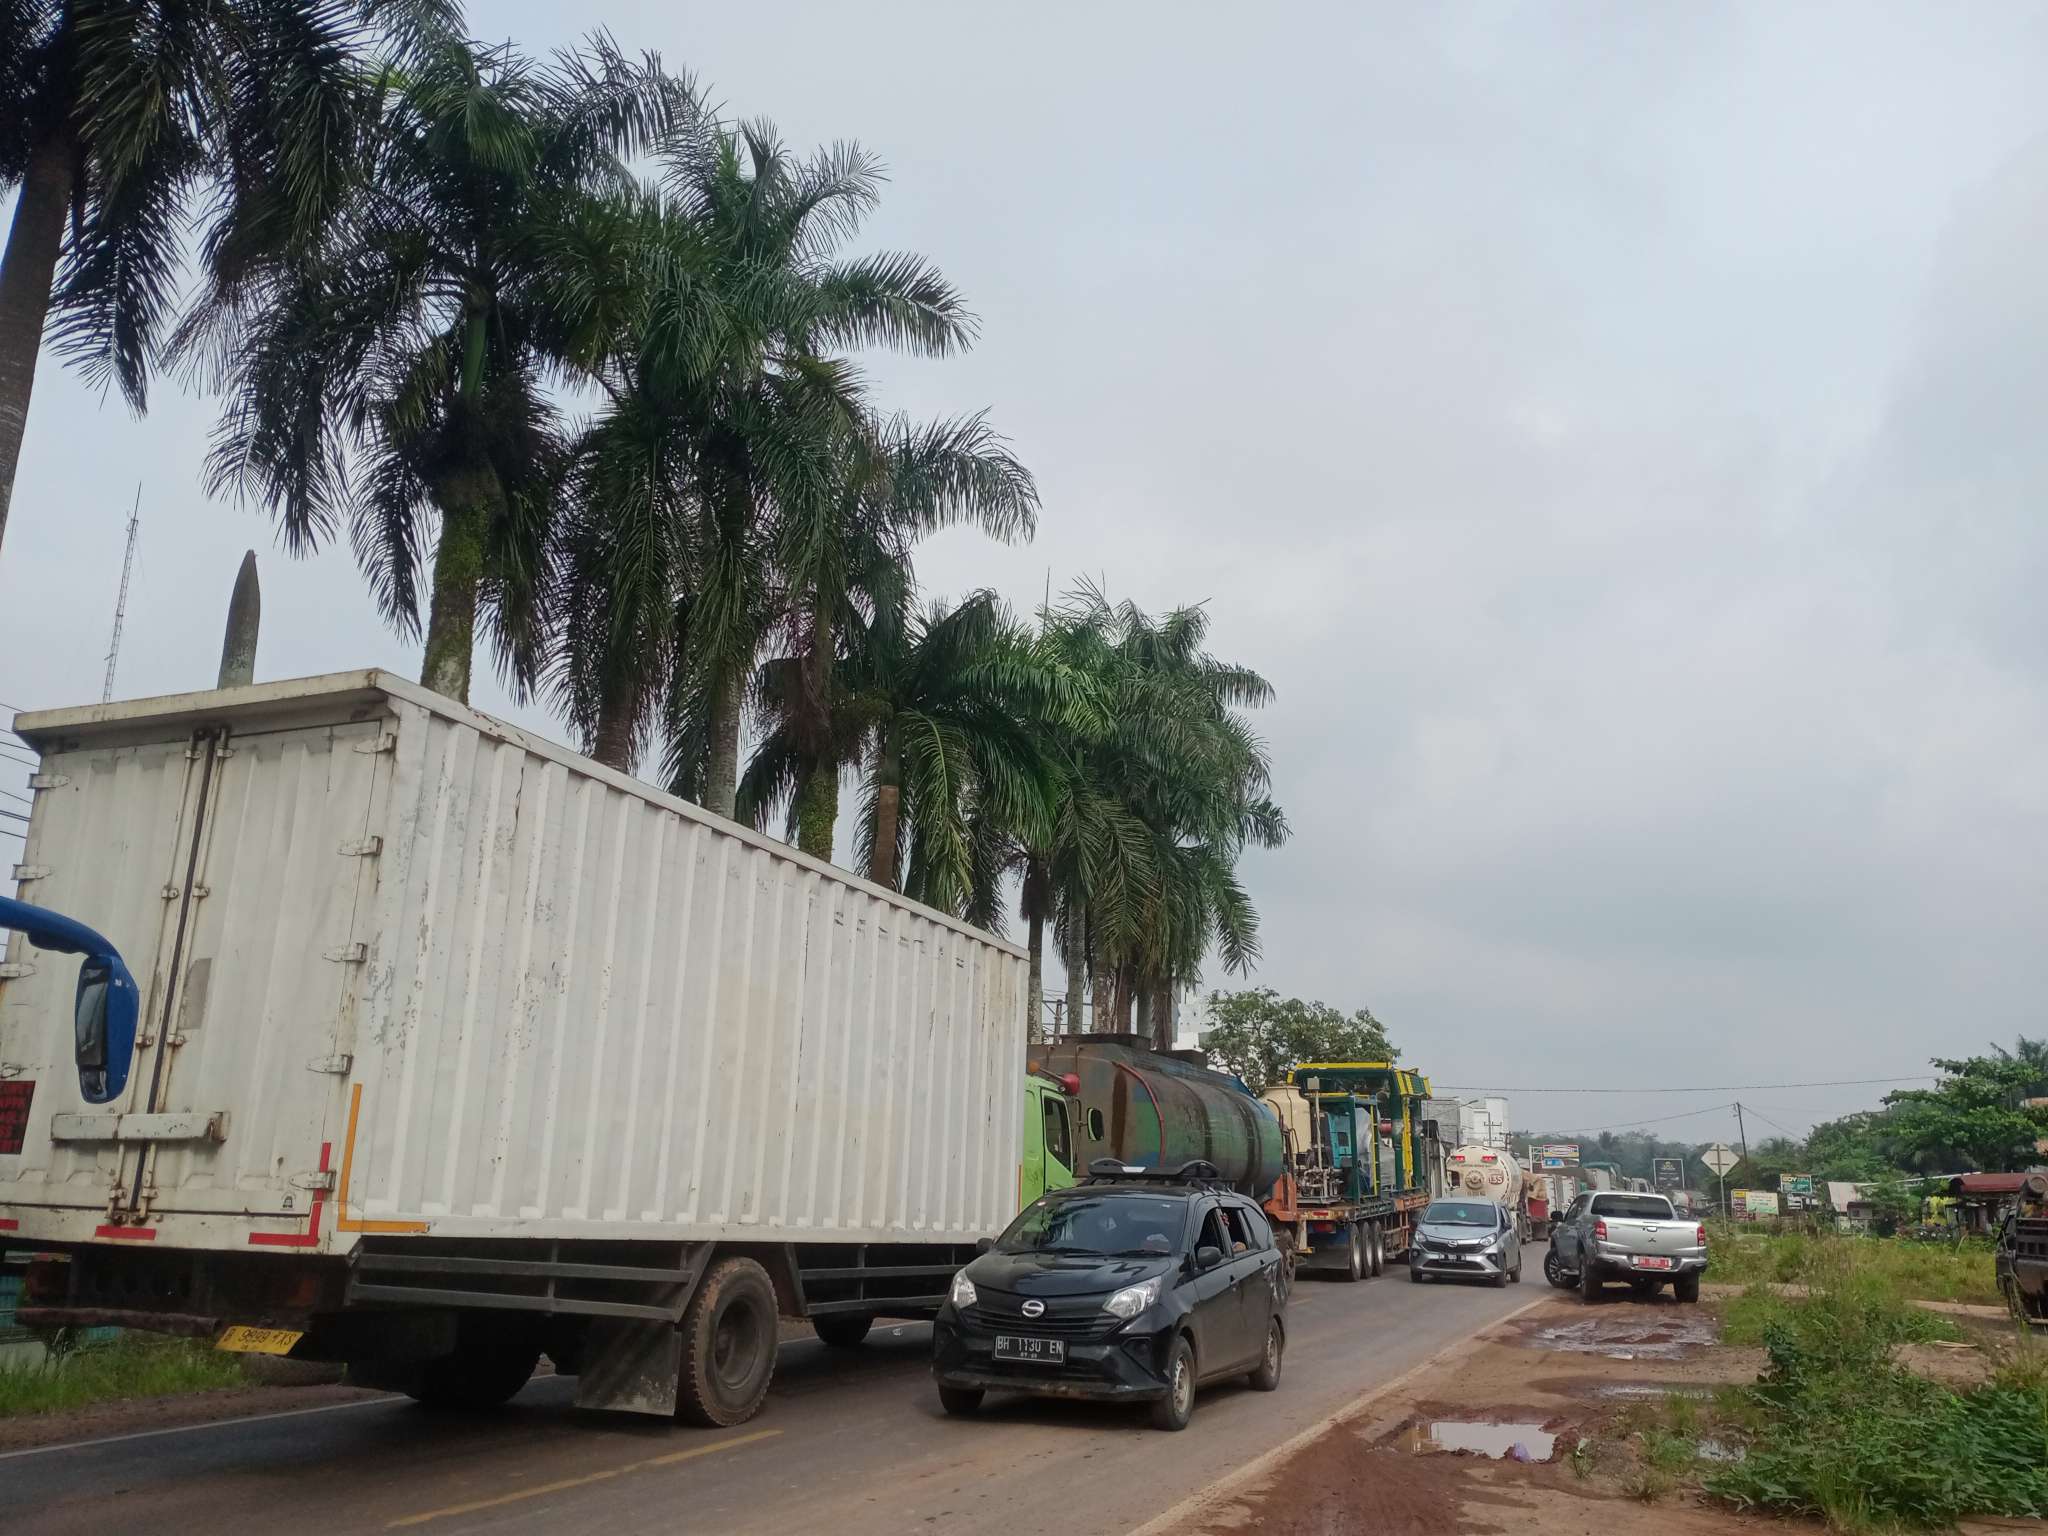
1178,1405
842,1330
1354,1258
1686,1287
728,1346
1376,1248
494,1357
1589,1278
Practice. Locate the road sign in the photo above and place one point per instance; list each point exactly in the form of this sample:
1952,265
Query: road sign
1719,1158
1554,1162
1565,1152
1796,1184
1668,1172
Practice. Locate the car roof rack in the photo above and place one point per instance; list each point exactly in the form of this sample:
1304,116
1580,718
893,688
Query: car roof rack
1113,1170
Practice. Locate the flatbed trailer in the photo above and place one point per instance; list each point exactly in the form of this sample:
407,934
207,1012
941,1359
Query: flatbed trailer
1353,1238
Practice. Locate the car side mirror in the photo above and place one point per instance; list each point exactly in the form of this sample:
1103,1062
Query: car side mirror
1208,1258
103,1027
985,1245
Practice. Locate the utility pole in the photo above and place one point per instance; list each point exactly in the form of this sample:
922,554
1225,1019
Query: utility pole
1741,1134
121,602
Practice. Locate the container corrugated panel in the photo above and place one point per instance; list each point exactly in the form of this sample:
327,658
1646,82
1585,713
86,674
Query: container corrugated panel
478,985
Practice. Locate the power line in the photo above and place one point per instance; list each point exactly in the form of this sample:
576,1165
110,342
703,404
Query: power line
1846,1082
1593,1130
10,794
13,815
16,757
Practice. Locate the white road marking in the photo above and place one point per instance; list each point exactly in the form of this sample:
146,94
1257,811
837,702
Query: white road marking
188,1429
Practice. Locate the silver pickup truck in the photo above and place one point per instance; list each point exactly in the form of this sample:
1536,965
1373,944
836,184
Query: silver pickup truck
1607,1235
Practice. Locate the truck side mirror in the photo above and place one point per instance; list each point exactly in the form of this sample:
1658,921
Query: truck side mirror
103,1026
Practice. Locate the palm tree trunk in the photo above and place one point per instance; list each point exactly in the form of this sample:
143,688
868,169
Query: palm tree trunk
466,497
1076,961
1037,895
612,743
817,810
26,272
888,813
722,769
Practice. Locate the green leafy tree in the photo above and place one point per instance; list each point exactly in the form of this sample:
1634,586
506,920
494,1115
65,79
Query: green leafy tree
1258,1034
395,376
124,124
1972,1119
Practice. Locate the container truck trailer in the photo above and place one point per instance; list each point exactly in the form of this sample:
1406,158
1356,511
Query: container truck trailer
448,1047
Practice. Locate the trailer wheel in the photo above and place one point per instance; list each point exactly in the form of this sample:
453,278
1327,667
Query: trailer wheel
728,1346
1354,1257
842,1330
494,1357
1376,1245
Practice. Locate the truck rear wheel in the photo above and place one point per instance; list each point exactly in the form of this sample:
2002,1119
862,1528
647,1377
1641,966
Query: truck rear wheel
494,1357
842,1330
1376,1240
728,1346
1354,1256
1686,1287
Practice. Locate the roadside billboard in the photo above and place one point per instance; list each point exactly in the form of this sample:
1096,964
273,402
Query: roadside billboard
1668,1172
1559,1154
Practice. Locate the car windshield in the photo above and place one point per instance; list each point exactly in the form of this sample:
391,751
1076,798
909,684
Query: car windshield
1462,1213
1098,1224
1634,1207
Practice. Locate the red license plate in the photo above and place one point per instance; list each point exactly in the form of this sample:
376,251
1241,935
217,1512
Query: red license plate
1653,1263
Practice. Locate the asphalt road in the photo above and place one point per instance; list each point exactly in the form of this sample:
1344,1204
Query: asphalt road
851,1443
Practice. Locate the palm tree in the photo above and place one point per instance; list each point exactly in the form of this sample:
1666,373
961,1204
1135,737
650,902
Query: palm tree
844,557
941,708
125,122
1158,808
760,427
396,374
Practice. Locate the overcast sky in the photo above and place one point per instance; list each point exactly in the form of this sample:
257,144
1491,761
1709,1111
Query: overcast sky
1616,431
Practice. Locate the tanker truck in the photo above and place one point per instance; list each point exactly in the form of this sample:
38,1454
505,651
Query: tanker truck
1491,1173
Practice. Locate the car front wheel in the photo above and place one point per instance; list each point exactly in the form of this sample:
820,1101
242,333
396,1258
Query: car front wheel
1178,1405
1554,1270
960,1401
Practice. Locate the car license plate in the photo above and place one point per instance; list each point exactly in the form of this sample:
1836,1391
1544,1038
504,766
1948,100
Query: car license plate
259,1341
1031,1351
1653,1262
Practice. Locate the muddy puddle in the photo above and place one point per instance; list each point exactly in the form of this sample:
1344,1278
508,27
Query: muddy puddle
1500,1442
1626,1338
1647,1391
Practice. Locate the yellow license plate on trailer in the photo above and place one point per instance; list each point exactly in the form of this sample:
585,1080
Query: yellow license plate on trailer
259,1341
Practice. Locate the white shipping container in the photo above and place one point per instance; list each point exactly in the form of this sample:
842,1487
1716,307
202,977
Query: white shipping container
408,969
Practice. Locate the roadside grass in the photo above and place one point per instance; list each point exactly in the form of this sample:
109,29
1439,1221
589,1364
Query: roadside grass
1835,1429
1915,1271
124,1368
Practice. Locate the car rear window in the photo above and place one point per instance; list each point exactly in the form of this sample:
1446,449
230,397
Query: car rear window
1633,1207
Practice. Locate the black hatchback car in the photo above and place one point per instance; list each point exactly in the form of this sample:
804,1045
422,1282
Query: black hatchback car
1134,1285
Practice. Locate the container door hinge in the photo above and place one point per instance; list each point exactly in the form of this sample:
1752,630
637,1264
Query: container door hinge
48,780
338,1065
323,1180
368,848
348,954
386,741
31,872
16,972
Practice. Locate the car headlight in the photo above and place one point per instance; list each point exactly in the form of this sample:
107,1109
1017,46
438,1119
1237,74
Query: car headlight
1132,1299
963,1293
